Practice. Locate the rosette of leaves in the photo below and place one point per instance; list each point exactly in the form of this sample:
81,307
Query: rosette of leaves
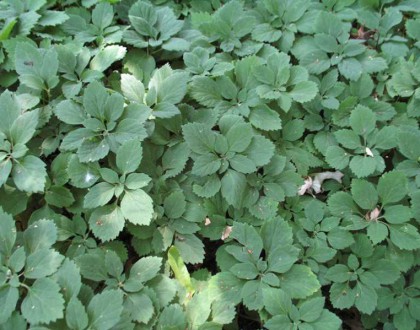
261,260
401,300
95,25
165,90
36,67
331,46
308,314
389,218
17,128
154,27
363,144
231,153
284,83
105,123
278,22
273,183
321,234
405,83
125,185
358,282
24,16
145,291
228,26
78,66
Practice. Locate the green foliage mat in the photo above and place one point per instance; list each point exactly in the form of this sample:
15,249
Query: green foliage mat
210,164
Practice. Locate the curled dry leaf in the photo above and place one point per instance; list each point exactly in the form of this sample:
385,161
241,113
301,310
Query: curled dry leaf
368,152
373,215
306,186
226,232
314,185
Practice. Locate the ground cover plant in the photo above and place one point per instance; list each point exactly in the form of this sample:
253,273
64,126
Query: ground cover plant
209,164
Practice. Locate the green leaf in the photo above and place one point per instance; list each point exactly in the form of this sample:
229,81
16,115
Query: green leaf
366,298
293,130
311,309
145,269
9,111
29,174
43,303
260,150
23,128
42,263
276,301
239,137
59,196
92,150
172,318
106,56
338,273
198,309
175,205
42,234
337,157
173,89
106,222
132,88
385,271
248,237
137,207
392,187
405,236
234,187
206,164
104,309
199,137
341,204
350,68
407,144
191,248
363,166
99,195
299,282
140,306
304,91
340,238
364,194
348,138
264,118
327,320
69,279
377,232
397,214
246,271
279,322
362,120
76,317
8,298
7,233
129,156
70,112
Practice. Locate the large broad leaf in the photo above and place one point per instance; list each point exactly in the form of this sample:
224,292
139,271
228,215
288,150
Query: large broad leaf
392,187
29,174
8,299
76,316
300,282
104,309
405,236
137,207
106,57
199,137
23,127
99,195
264,118
234,187
239,137
43,302
248,237
107,222
364,194
129,156
362,120
42,263
7,233
41,234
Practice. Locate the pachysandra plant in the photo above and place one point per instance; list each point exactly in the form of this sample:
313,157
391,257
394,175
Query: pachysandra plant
209,164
